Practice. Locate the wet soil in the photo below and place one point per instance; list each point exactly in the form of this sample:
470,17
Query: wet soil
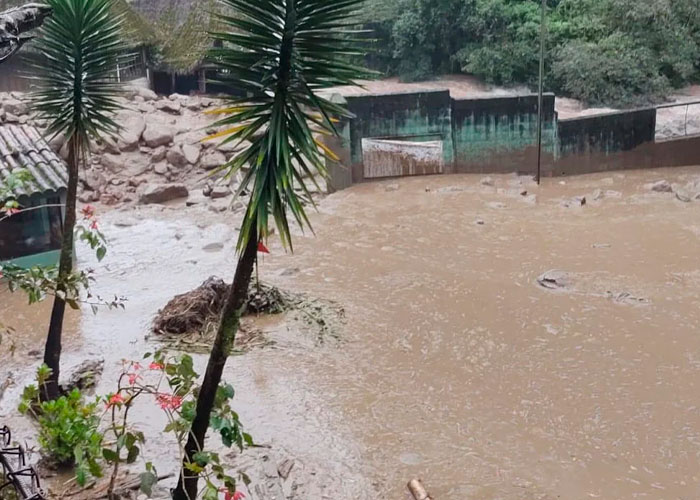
455,364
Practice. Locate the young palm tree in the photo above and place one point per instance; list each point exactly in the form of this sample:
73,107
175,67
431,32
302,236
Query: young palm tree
280,53
76,96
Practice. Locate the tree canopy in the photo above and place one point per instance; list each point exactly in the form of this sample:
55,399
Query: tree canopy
613,52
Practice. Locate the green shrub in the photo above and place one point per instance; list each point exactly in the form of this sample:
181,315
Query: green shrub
612,72
68,428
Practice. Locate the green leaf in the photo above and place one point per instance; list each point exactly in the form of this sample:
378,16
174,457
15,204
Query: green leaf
101,252
147,480
132,455
110,455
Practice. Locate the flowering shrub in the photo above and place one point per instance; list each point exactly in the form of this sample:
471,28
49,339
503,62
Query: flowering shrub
170,384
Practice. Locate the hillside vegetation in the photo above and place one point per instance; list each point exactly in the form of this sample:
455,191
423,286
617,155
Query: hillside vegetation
604,52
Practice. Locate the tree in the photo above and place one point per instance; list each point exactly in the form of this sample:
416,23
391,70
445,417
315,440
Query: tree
77,97
281,53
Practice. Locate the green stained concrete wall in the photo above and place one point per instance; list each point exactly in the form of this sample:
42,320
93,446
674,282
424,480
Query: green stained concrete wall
499,134
414,116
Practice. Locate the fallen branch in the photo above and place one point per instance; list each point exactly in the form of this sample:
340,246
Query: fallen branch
417,490
100,492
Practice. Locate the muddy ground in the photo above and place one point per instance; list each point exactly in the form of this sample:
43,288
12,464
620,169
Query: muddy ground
455,364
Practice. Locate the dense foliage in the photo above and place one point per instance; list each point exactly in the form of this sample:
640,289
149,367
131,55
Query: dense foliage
616,52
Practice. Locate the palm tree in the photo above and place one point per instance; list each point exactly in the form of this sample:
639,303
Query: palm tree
280,53
77,97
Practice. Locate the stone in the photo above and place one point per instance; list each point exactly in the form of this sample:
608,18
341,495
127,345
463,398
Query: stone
194,104
176,157
177,97
146,108
191,152
161,168
212,160
662,186
57,141
159,154
196,198
157,135
11,118
684,197
145,93
15,106
133,126
391,187
110,145
169,106
213,247
598,195
93,179
162,193
23,119
219,192
112,162
487,181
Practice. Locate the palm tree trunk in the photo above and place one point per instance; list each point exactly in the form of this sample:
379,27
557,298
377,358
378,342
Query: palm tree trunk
52,351
225,337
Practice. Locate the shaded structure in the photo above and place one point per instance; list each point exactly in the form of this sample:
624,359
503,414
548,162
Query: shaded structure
15,25
34,235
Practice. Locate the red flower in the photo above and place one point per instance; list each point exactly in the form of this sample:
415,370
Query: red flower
156,366
236,495
262,248
168,401
88,211
12,211
133,377
114,399
93,225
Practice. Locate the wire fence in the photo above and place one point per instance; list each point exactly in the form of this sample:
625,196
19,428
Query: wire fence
18,480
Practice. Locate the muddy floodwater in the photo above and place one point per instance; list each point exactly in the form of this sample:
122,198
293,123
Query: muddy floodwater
455,364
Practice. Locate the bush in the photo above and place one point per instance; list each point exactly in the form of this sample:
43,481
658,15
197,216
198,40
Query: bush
68,428
612,72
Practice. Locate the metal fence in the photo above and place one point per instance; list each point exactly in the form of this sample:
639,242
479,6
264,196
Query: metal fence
679,119
17,476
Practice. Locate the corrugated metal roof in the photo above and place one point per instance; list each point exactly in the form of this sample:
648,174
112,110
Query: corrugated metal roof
22,146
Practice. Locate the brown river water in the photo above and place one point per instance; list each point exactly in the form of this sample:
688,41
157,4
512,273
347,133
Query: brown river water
454,365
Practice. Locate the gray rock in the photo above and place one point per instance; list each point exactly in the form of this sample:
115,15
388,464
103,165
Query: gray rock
219,192
11,118
161,168
157,134
213,247
93,179
176,157
162,193
487,181
145,93
173,107
391,187
212,160
133,126
159,154
15,106
662,186
112,162
191,152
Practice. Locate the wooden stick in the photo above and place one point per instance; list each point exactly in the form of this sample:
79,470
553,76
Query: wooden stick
418,491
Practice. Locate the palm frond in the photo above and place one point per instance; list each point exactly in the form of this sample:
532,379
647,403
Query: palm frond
280,53
76,89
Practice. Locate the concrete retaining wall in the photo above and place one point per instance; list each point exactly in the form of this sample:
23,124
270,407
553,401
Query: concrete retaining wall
411,116
499,134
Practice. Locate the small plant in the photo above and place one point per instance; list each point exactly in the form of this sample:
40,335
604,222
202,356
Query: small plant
170,383
68,428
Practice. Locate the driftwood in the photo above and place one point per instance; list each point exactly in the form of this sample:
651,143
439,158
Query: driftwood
418,491
124,484
15,25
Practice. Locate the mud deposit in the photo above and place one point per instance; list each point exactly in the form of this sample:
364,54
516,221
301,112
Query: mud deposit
456,364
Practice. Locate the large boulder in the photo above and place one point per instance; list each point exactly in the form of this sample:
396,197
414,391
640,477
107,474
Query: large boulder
93,179
145,93
133,126
157,134
169,106
162,193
